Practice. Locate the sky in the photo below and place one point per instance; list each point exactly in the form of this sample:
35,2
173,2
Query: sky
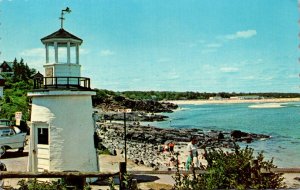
170,45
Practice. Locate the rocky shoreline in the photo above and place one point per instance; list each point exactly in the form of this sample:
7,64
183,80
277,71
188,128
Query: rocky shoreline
148,106
144,143
136,116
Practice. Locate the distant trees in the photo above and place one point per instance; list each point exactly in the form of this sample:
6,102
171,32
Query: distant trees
21,71
101,95
169,95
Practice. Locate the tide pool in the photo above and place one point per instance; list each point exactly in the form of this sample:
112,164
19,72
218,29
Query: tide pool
279,120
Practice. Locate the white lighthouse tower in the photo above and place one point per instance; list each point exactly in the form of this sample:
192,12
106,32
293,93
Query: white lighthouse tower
62,126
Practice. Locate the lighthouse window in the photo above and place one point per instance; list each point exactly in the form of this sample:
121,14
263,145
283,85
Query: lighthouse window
43,136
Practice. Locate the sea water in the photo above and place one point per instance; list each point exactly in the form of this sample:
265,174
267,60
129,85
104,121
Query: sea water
279,120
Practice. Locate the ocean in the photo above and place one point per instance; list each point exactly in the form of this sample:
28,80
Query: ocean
279,120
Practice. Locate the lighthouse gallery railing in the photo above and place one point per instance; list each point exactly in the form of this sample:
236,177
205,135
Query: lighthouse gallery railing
62,82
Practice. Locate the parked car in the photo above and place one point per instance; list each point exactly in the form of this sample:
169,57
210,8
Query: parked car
11,138
4,123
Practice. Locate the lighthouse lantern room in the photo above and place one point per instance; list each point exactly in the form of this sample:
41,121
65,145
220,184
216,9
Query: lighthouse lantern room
62,125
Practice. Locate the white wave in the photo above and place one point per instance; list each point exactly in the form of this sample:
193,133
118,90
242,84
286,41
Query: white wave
267,105
181,109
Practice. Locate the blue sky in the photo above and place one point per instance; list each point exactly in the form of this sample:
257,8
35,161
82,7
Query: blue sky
172,45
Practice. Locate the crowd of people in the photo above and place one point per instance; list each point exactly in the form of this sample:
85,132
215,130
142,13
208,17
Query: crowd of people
192,160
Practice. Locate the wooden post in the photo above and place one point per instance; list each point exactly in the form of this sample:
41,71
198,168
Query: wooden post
74,182
125,139
122,167
134,185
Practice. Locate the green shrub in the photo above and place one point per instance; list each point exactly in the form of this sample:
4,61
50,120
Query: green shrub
105,152
238,169
34,184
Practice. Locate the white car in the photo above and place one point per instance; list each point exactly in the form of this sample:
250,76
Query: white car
11,138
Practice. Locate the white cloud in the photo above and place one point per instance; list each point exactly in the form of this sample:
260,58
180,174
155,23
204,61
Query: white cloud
268,78
210,47
293,76
35,58
229,69
250,77
205,51
213,45
241,34
172,75
163,60
35,52
106,52
83,51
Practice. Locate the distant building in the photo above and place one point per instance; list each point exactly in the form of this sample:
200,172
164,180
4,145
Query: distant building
215,98
253,97
6,68
234,98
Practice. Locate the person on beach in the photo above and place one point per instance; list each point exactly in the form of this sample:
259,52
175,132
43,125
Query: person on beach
171,147
173,162
192,159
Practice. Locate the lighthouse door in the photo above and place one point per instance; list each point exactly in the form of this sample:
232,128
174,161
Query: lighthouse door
42,147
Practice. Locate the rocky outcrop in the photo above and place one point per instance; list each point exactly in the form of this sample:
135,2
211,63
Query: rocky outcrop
150,106
155,135
144,143
132,116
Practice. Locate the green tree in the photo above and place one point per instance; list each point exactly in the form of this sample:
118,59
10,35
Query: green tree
15,91
21,71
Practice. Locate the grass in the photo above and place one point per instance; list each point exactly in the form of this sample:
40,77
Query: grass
155,186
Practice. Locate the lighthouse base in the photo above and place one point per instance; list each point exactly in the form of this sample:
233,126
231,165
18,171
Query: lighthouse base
62,130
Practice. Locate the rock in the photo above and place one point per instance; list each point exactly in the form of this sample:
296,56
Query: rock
220,136
136,161
238,134
112,151
297,178
119,102
144,143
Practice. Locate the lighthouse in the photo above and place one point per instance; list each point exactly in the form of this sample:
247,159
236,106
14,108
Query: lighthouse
62,125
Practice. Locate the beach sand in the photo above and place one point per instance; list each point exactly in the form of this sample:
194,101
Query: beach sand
232,101
110,163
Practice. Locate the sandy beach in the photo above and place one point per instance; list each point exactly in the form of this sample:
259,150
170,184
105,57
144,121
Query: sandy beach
234,101
110,163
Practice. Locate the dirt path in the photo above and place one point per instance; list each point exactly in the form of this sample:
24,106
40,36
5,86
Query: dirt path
15,161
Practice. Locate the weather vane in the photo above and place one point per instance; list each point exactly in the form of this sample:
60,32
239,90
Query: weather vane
67,10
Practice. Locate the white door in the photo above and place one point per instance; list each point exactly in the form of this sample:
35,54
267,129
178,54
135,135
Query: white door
42,147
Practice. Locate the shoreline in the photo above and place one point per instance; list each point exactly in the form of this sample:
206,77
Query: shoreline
231,101
109,163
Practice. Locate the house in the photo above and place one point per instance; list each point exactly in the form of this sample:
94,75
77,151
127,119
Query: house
6,68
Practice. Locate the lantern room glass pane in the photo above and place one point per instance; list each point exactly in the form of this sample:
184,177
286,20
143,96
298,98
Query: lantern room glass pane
62,54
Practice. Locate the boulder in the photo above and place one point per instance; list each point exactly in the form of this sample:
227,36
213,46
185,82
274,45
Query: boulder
237,134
